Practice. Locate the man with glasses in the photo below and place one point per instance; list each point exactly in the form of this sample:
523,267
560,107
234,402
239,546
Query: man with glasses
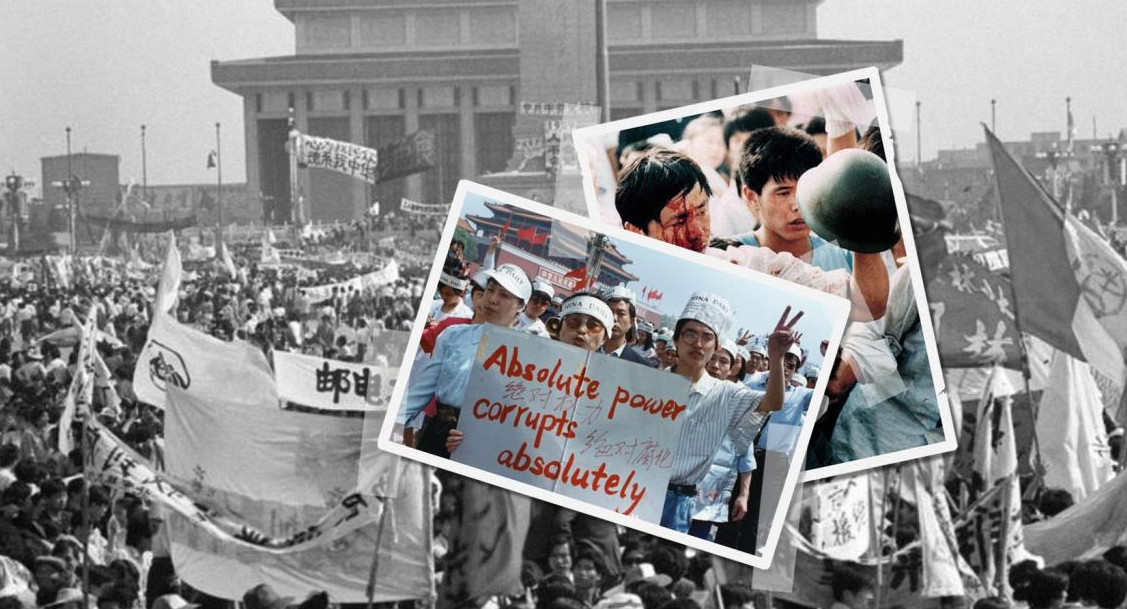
716,409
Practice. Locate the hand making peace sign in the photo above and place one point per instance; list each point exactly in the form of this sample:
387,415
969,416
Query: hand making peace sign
783,336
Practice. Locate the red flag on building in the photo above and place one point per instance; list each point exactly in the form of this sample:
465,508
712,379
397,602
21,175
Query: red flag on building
505,228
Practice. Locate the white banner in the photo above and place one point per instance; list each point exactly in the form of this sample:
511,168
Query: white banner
423,209
405,568
349,159
384,276
586,426
202,365
329,384
842,529
112,463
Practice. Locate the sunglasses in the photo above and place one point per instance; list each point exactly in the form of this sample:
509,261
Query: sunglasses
574,321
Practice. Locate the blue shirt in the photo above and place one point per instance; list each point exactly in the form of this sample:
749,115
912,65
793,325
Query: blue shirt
826,255
716,409
446,374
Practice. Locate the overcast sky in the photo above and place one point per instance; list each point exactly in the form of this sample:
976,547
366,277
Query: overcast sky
104,68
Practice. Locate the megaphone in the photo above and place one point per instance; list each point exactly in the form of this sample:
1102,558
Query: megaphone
848,200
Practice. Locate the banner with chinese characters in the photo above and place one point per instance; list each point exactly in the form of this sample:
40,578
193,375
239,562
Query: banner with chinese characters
843,528
349,159
423,209
328,384
583,425
384,276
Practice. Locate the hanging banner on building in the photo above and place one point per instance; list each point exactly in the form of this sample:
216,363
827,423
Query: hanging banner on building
384,276
409,155
328,384
343,157
584,425
843,527
423,209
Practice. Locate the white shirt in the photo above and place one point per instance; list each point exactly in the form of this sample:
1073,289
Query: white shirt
461,310
532,326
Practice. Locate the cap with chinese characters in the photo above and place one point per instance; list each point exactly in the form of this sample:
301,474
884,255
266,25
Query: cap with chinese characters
711,310
513,278
589,305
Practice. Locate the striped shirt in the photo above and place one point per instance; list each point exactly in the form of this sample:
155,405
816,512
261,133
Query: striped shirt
716,409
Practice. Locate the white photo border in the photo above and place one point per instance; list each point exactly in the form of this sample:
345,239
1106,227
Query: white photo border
837,306
872,74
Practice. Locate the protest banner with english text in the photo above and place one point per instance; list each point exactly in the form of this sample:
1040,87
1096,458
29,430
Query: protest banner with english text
581,424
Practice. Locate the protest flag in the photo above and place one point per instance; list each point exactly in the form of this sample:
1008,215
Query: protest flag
945,571
169,284
973,314
1070,430
187,358
1070,287
486,554
412,154
995,465
81,391
1086,530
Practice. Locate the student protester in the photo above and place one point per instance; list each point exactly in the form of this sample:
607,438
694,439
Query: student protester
716,409
451,288
621,302
665,196
529,319
446,374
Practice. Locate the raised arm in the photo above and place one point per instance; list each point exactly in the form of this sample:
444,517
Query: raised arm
780,340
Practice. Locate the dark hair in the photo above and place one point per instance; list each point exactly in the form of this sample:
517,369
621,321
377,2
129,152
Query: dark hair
654,180
1100,582
873,142
736,594
991,602
630,305
565,602
76,486
16,493
652,595
680,603
118,596
9,454
746,120
1043,588
52,487
98,496
776,153
530,574
1054,501
669,561
1117,555
815,126
553,587
596,557
848,580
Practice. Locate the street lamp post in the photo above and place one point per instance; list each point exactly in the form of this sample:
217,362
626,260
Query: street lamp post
144,169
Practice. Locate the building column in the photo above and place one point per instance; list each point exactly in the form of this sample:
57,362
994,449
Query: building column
414,185
250,137
466,124
301,121
356,136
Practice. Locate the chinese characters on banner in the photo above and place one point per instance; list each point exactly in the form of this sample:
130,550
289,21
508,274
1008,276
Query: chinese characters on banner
331,384
583,425
349,159
384,276
843,526
423,209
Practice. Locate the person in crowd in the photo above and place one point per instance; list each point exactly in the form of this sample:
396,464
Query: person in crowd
852,590
716,409
530,319
451,288
621,302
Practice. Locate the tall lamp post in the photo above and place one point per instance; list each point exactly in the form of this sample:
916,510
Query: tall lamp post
1113,154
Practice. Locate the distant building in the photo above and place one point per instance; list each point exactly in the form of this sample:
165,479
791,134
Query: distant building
370,72
561,251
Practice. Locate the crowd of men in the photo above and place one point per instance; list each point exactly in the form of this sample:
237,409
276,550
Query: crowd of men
726,184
